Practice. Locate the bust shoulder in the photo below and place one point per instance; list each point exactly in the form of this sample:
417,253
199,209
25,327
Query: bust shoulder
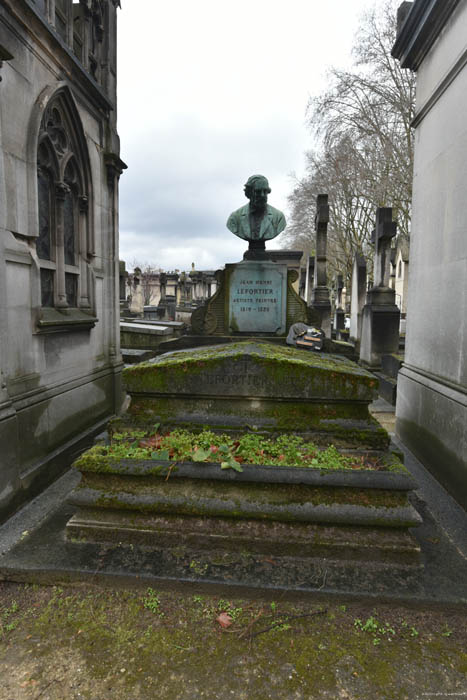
241,211
276,213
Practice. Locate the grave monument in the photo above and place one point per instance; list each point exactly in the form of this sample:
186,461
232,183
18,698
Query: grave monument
339,313
244,450
358,296
254,296
320,300
330,524
339,519
380,315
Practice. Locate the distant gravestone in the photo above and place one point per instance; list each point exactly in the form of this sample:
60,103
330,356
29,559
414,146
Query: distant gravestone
320,296
381,316
384,232
339,314
358,297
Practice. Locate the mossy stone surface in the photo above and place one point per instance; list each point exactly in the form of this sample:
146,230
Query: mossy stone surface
253,369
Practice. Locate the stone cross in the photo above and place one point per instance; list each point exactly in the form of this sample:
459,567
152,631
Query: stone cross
382,235
321,227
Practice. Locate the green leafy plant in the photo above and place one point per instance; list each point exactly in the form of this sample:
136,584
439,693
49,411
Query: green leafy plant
231,452
152,602
378,630
227,607
6,623
198,567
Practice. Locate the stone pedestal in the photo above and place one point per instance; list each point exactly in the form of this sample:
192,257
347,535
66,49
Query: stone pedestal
380,326
320,300
322,307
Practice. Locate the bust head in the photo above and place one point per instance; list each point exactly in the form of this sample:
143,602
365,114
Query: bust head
257,190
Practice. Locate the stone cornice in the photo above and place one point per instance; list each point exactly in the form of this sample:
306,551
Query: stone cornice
420,30
91,88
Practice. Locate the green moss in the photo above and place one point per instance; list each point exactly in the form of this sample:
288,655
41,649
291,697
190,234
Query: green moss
100,632
278,362
189,496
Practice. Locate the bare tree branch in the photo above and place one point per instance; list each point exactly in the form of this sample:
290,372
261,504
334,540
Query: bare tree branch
366,155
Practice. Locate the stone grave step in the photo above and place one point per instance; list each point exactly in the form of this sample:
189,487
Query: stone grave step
132,355
146,328
387,546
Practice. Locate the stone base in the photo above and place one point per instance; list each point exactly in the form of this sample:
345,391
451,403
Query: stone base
386,546
322,309
387,388
349,522
391,365
47,557
431,421
380,330
288,495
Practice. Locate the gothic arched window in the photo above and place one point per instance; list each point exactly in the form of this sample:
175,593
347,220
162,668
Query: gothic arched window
63,185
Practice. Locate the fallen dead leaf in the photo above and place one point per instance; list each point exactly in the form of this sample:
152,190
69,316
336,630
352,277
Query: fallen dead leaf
224,619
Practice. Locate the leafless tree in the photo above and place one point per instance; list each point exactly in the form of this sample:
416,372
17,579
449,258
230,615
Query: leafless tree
365,154
148,276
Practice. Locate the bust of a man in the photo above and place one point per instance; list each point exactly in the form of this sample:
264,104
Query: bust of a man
257,221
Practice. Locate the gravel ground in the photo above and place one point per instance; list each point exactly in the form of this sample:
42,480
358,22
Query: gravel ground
102,644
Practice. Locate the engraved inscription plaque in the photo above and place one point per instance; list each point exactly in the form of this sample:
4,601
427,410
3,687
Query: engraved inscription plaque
257,297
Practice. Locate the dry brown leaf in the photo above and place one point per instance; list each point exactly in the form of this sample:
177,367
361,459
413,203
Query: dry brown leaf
224,619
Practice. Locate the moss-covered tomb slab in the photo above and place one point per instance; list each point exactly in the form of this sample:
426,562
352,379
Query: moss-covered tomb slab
249,368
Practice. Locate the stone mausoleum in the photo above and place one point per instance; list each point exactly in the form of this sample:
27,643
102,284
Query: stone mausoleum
60,359
432,384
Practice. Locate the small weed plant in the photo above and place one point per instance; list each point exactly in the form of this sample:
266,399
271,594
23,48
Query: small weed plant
227,607
7,624
381,631
181,445
152,602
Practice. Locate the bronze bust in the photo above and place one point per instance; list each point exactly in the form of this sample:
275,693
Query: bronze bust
257,221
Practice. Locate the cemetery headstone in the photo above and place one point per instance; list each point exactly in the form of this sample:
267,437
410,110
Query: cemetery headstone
257,297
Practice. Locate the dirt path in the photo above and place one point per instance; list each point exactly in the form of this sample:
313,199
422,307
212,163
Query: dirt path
103,644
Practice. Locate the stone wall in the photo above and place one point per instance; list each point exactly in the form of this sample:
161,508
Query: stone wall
60,359
432,385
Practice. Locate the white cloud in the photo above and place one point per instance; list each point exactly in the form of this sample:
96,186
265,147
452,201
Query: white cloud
210,93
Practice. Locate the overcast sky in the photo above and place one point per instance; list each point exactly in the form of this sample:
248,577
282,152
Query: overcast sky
209,93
